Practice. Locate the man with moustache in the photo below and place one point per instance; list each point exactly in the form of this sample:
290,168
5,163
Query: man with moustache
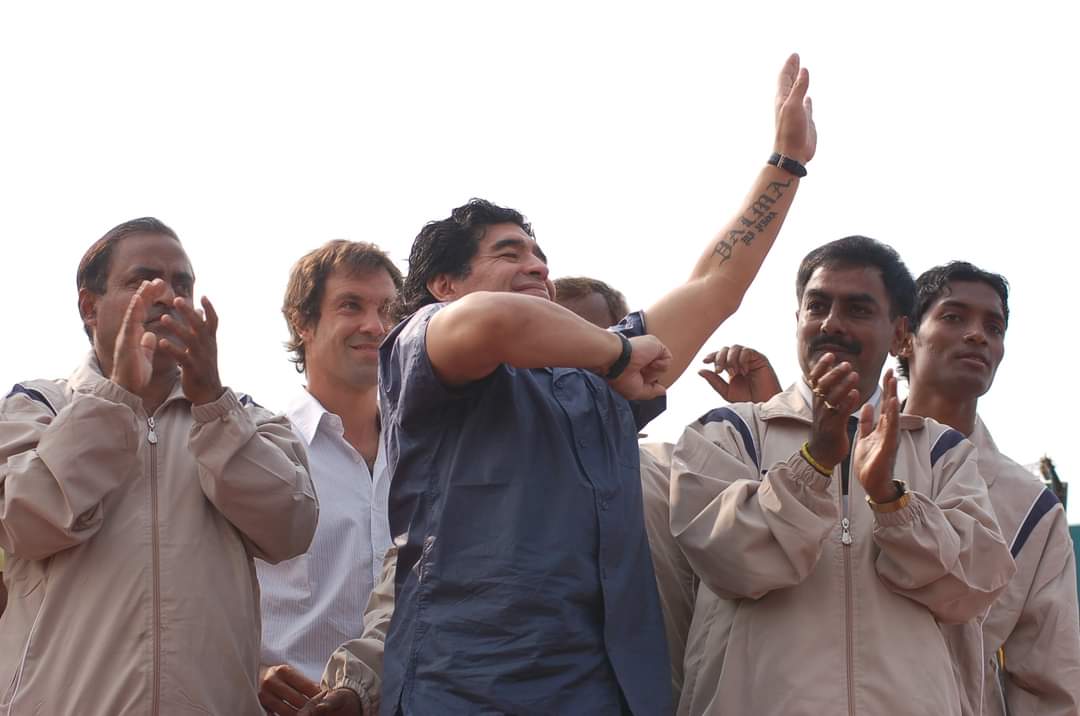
1023,655
133,498
523,577
337,306
830,533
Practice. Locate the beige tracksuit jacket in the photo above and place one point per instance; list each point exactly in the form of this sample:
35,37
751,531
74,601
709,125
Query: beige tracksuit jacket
129,542
808,603
1035,621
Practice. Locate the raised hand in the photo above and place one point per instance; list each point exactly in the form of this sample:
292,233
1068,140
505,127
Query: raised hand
796,135
195,349
339,702
875,451
751,377
133,354
649,360
836,395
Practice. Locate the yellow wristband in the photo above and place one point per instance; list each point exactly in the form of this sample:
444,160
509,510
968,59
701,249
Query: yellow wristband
805,452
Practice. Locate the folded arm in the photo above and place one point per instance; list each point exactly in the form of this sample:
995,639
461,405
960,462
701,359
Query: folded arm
253,468
55,471
945,551
746,536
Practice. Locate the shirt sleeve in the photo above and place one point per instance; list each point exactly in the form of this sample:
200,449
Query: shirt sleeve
56,469
632,326
254,470
945,551
409,389
746,534
358,664
1042,654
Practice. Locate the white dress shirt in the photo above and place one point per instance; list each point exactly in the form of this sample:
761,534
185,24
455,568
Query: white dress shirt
315,602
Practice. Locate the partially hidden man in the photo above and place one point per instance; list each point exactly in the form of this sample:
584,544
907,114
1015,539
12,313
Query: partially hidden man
524,583
1022,657
133,497
829,533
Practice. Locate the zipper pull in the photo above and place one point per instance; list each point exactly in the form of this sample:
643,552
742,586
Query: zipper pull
151,437
845,536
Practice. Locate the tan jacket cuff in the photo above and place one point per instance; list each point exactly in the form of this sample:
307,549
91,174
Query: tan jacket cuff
368,706
903,516
227,403
804,472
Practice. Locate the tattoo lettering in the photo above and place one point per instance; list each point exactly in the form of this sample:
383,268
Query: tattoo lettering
754,220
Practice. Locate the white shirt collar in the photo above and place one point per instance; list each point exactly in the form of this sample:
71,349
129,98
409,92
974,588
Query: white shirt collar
306,414
808,396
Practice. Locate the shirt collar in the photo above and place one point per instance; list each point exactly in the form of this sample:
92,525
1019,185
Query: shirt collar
808,397
306,414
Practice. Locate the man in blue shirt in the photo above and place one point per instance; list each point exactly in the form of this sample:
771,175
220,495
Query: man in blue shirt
524,583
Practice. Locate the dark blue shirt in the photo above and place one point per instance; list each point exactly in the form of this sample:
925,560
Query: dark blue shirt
525,584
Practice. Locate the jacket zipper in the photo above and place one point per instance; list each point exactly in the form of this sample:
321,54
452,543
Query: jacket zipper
846,540
151,437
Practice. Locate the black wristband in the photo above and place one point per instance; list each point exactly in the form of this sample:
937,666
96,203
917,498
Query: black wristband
787,164
623,360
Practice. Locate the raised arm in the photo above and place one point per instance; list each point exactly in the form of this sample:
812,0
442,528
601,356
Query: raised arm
685,318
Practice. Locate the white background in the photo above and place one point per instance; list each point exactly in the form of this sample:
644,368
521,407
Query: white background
628,133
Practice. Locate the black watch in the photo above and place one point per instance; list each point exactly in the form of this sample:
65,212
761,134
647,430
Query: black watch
788,164
622,361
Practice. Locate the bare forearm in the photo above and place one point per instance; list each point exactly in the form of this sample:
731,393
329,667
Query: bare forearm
687,316
470,338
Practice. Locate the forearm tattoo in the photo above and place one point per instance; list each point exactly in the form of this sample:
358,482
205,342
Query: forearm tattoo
753,221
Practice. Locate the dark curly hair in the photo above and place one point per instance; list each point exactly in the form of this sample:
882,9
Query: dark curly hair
858,251
933,284
447,246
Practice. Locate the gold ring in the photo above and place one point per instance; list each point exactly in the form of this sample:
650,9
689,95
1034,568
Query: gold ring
829,405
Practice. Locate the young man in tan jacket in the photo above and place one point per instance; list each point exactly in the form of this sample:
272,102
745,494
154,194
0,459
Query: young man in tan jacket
1022,656
133,497
831,534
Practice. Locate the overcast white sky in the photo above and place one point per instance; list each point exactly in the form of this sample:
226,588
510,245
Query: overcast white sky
628,133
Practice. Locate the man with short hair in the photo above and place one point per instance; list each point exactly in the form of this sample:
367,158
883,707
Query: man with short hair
337,305
830,533
133,497
1023,655
592,299
523,577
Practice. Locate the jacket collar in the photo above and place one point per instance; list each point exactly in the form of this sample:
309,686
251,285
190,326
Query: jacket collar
87,376
988,453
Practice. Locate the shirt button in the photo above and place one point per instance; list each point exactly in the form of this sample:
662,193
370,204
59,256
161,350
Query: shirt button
603,504
581,443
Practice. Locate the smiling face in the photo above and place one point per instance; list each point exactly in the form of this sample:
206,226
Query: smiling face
960,342
845,310
341,347
507,259
137,258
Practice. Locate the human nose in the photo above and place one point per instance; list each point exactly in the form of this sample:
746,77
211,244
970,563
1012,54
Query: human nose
537,267
975,334
832,323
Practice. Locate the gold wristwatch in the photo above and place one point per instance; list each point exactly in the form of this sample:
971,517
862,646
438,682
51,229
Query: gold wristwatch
903,497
